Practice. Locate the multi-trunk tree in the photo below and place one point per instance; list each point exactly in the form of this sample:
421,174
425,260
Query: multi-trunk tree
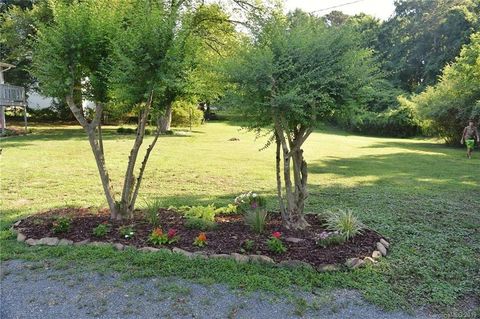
294,73
132,56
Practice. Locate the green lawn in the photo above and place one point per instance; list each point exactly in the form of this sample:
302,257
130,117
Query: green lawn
423,196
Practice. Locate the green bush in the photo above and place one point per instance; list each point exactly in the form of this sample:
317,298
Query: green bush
456,97
62,225
186,114
129,130
345,223
127,231
206,213
401,121
200,224
101,230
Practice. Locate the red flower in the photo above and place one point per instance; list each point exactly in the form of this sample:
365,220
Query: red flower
277,234
171,233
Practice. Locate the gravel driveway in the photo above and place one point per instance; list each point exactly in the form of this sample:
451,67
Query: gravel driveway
33,290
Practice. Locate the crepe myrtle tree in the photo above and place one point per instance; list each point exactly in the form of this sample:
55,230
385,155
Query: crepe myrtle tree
113,53
294,73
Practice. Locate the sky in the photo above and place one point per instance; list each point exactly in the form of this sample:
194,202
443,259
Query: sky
381,9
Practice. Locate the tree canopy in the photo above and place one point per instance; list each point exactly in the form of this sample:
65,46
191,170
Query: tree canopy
292,74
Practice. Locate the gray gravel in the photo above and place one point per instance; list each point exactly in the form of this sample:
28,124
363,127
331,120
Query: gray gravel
33,290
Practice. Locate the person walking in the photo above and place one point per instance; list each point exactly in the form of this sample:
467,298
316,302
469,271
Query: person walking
468,137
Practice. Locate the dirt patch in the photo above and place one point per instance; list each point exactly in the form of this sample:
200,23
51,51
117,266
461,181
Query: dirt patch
225,239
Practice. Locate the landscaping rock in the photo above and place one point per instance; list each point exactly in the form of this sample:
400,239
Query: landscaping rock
200,254
239,258
149,249
49,241
165,250
182,252
381,249
32,242
369,261
261,259
21,237
376,254
295,264
225,256
361,263
81,243
328,267
65,242
294,240
98,244
385,243
351,262
118,246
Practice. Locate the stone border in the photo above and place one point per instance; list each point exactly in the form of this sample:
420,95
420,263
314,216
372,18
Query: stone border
353,263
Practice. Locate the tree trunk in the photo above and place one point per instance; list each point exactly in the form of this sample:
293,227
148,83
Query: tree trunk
296,191
126,209
166,119
96,144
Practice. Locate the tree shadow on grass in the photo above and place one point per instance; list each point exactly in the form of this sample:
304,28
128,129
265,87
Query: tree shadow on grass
73,134
407,170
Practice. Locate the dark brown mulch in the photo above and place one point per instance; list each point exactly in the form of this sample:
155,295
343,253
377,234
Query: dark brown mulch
225,239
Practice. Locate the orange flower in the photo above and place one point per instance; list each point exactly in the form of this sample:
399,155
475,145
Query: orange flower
158,232
202,237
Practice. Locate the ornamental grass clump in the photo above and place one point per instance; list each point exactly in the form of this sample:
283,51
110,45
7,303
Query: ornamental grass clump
254,210
345,222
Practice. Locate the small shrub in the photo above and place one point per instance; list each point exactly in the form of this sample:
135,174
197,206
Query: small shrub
186,114
127,232
101,230
206,213
345,222
158,237
62,225
125,130
330,239
129,130
200,240
275,243
152,212
248,245
200,224
229,209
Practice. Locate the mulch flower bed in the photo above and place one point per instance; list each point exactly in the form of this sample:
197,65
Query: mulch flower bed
226,238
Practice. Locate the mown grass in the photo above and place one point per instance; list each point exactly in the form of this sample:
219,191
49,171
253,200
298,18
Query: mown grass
421,195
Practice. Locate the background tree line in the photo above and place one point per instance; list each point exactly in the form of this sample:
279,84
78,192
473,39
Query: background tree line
415,49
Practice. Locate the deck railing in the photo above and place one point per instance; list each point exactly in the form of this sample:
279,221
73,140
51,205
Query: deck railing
11,95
